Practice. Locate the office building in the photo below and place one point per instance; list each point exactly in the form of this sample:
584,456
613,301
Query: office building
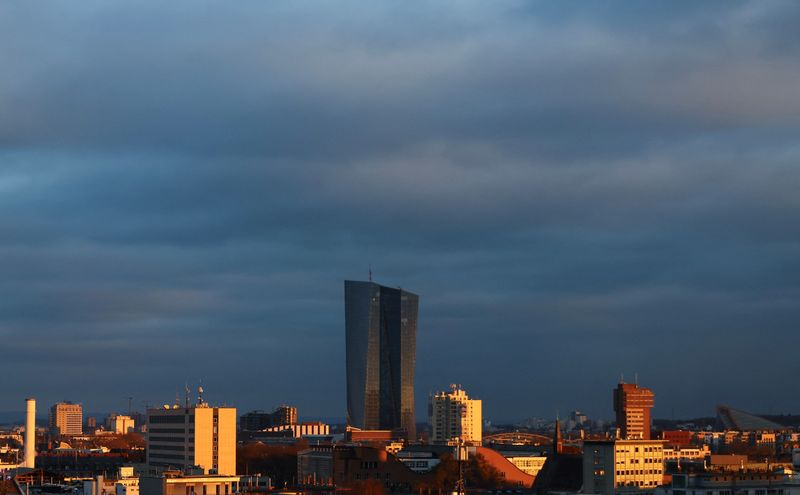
381,331
615,466
453,415
197,436
632,404
66,418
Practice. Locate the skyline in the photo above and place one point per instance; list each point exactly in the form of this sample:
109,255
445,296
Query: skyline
574,191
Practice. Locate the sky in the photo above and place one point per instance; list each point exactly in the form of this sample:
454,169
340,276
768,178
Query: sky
576,190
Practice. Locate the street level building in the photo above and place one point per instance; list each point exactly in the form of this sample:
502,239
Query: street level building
381,331
453,415
66,418
199,436
622,466
632,404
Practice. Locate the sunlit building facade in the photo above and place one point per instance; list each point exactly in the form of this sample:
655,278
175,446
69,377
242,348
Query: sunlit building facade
186,437
454,415
381,333
632,404
66,418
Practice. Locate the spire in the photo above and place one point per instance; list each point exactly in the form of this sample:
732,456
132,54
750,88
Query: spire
558,442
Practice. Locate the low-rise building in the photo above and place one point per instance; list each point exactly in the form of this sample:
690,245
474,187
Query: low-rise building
171,483
529,464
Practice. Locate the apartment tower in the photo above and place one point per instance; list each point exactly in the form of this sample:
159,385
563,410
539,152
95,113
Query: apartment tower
454,415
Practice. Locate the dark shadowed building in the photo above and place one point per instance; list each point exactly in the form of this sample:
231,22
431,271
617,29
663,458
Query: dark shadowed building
381,334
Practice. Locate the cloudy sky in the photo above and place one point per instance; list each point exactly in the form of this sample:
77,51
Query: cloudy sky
576,190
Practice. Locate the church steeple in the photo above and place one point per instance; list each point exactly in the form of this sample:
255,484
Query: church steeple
558,442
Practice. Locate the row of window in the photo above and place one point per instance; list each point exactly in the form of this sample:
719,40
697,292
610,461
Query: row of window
629,472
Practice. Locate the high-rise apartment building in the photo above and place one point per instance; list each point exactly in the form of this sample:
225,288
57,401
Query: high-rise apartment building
185,437
381,335
611,467
454,415
632,404
66,418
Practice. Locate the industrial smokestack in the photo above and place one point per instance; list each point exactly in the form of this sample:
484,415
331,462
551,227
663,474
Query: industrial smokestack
30,433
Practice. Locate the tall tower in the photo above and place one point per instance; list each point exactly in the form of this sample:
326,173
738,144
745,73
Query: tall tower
381,336
632,404
30,433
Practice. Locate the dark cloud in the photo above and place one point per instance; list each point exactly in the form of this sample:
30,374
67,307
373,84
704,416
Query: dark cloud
575,190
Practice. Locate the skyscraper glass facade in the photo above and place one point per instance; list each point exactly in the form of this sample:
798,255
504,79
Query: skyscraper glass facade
381,336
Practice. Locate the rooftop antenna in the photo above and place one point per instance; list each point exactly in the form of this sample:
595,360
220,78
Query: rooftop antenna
636,378
186,394
621,378
177,398
370,272
200,395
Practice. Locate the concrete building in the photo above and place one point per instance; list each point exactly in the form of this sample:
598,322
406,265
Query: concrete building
622,466
302,429
184,437
381,340
454,415
632,404
174,484
120,424
66,418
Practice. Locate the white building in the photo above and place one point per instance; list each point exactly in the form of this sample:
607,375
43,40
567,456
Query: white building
120,424
454,415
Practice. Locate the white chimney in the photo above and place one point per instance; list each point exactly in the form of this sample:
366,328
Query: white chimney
30,433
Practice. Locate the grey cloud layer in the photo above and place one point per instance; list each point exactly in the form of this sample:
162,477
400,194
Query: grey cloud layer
567,187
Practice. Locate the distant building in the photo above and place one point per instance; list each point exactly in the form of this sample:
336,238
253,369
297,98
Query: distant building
261,420
454,415
302,429
381,333
120,424
614,466
734,419
632,404
66,418
185,437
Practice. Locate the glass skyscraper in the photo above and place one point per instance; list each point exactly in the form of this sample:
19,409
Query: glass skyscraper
381,328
